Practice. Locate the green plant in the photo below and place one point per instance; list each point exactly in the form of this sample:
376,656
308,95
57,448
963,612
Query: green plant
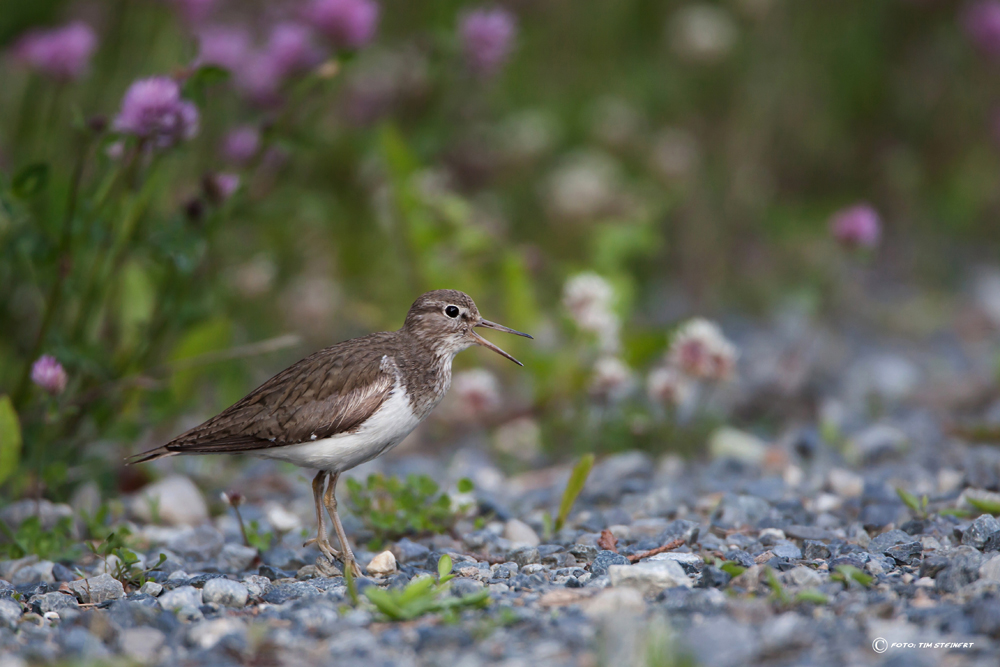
984,505
574,486
917,506
125,566
261,541
777,590
848,573
57,543
425,595
811,595
392,508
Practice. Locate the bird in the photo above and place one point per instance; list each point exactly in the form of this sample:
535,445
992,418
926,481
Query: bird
346,404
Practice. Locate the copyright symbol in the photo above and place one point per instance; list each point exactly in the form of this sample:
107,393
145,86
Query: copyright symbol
880,645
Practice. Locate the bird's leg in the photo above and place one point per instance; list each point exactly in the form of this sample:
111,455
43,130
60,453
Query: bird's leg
321,541
330,499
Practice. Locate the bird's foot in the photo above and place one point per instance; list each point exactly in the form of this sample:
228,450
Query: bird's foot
325,548
353,564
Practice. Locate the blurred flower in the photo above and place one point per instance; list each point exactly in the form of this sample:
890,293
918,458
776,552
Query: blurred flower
62,53
588,297
260,79
702,33
220,187
701,351
520,438
857,227
49,374
383,81
584,186
669,386
349,24
291,49
612,380
240,144
233,498
487,36
153,109
478,394
981,21
225,46
615,122
115,150
675,154
194,11
527,135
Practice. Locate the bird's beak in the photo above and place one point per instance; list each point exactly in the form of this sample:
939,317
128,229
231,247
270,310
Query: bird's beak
479,340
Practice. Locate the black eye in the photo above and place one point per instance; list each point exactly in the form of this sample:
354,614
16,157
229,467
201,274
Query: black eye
451,311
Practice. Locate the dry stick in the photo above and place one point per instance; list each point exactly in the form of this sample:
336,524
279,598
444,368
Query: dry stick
673,544
484,558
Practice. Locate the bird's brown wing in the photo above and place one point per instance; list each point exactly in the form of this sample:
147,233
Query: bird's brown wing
332,391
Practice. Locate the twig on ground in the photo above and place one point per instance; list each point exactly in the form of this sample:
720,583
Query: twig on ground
673,544
485,558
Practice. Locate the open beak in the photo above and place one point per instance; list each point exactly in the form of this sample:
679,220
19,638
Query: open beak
499,327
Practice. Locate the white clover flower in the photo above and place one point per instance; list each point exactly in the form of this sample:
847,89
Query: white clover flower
588,297
584,186
668,386
702,33
478,393
612,380
700,350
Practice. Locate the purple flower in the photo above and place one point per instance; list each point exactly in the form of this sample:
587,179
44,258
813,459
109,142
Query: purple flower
49,374
153,109
982,23
260,79
291,48
487,36
62,53
857,227
222,186
349,24
240,144
225,46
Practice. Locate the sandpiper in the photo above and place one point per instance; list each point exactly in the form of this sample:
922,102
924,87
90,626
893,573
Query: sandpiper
348,403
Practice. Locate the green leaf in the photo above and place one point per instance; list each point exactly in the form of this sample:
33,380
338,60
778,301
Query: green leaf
847,573
465,485
908,498
776,587
137,297
988,506
573,488
811,595
734,569
10,439
209,336
444,565
30,180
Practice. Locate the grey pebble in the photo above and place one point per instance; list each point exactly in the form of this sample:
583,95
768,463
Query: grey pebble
225,592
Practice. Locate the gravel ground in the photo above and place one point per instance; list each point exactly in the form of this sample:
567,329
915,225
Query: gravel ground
790,511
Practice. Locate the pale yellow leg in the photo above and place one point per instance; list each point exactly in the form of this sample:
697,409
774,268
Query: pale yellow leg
330,499
321,540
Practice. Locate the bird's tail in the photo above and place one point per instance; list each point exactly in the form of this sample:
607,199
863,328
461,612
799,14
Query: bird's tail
151,455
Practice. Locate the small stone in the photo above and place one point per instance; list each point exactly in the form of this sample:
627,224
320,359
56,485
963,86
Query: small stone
713,577
990,570
735,511
604,559
524,556
48,512
225,592
878,442
980,530
813,550
584,552
382,565
177,501
613,602
462,587
181,598
803,576
97,589
34,574
905,553
201,543
235,558
649,577
53,602
257,585
730,443
407,551
10,611
786,550
141,644
207,634
880,543
151,588
520,534
845,483
281,520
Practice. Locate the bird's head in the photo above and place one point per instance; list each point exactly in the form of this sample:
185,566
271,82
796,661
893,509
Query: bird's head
447,319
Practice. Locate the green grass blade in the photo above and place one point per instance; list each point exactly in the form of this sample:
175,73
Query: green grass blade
573,488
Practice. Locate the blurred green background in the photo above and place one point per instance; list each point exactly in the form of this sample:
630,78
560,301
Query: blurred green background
690,153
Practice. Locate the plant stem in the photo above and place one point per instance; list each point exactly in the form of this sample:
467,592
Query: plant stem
64,262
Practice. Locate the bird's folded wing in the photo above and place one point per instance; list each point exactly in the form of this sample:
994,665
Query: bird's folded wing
319,397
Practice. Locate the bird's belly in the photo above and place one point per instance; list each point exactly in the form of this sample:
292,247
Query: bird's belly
385,429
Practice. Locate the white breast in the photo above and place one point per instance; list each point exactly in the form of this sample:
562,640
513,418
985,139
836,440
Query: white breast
386,428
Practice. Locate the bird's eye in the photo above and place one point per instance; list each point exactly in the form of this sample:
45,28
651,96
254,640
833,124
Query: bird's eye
451,311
